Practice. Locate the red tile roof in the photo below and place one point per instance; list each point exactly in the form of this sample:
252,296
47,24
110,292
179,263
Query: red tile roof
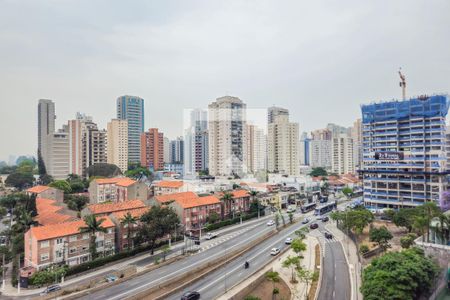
38,189
137,213
196,202
169,184
236,193
121,181
126,182
105,208
175,196
48,218
65,229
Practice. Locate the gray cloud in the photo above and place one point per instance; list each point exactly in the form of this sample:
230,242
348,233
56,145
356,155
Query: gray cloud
320,59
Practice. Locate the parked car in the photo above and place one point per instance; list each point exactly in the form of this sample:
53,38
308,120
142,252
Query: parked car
111,278
190,296
211,235
328,235
305,221
288,241
274,251
325,219
270,223
50,289
314,226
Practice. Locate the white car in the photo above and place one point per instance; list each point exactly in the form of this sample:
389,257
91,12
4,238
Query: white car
274,251
305,221
270,223
288,241
211,235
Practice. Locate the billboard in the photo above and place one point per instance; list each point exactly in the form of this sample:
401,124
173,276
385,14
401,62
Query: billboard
389,155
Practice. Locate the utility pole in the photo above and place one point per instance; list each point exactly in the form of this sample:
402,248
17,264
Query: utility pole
3,273
402,83
18,275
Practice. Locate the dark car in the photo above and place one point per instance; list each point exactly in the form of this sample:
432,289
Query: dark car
50,289
314,226
191,296
325,219
328,235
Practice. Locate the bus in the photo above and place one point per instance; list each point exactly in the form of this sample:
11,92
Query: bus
308,207
323,209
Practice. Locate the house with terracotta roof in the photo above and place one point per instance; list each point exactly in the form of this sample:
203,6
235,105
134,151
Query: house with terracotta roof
104,209
50,211
122,230
64,243
43,191
117,189
167,198
241,202
168,187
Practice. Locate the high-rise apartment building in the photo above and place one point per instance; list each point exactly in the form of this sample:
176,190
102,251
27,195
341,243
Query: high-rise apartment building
321,134
196,143
303,150
356,134
282,146
342,158
320,153
404,156
57,158
131,108
337,130
46,126
176,153
152,150
274,111
256,149
227,121
117,143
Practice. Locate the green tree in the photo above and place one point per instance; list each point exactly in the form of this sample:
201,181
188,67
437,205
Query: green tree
408,274
42,170
293,263
136,171
62,185
307,276
443,228
76,202
389,214
273,277
277,220
381,236
404,217
301,233
255,199
93,225
165,250
298,246
421,224
128,222
45,179
408,240
103,170
318,172
291,217
428,210
19,180
363,249
213,217
228,200
157,223
348,192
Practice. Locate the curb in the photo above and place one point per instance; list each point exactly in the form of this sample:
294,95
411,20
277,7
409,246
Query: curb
322,255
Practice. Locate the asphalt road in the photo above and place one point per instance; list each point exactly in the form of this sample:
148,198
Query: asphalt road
336,278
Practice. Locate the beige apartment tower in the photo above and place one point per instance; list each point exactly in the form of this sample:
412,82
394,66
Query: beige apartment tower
117,143
342,159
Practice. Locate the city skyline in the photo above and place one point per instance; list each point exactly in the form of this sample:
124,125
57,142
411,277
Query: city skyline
179,51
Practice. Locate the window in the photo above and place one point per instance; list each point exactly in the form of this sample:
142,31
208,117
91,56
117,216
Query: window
72,250
44,256
73,238
110,231
59,241
45,244
84,248
85,236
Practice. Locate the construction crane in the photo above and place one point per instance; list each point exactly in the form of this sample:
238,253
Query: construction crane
402,83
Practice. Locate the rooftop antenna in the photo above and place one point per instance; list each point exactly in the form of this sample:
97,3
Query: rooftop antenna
402,83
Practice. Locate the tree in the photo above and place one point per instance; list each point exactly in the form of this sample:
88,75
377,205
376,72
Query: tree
42,170
213,217
277,220
128,222
254,196
381,236
136,171
157,223
307,276
348,192
318,172
293,263
45,179
389,214
19,180
404,217
428,210
408,240
93,225
408,274
355,220
103,170
228,200
298,246
273,277
76,202
62,185
363,249
291,217
165,250
420,224
443,228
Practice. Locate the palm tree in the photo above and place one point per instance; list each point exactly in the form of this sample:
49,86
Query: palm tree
274,277
254,195
129,221
443,228
421,224
93,225
292,262
228,199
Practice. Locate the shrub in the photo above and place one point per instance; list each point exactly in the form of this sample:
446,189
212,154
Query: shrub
363,249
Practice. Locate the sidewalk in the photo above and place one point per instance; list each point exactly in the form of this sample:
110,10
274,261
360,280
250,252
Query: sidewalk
351,255
298,290
102,271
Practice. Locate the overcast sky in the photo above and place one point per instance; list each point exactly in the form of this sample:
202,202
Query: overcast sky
319,59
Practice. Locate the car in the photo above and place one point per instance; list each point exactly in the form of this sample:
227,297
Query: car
314,226
305,221
50,289
325,219
288,241
191,296
111,278
270,223
8,215
274,251
211,235
328,235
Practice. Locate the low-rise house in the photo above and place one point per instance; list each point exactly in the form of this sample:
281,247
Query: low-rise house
43,191
64,244
50,211
104,209
240,203
168,198
117,189
122,239
167,187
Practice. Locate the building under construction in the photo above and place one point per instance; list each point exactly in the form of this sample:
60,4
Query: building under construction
404,156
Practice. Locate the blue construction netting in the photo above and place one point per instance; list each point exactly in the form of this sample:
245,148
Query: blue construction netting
429,106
